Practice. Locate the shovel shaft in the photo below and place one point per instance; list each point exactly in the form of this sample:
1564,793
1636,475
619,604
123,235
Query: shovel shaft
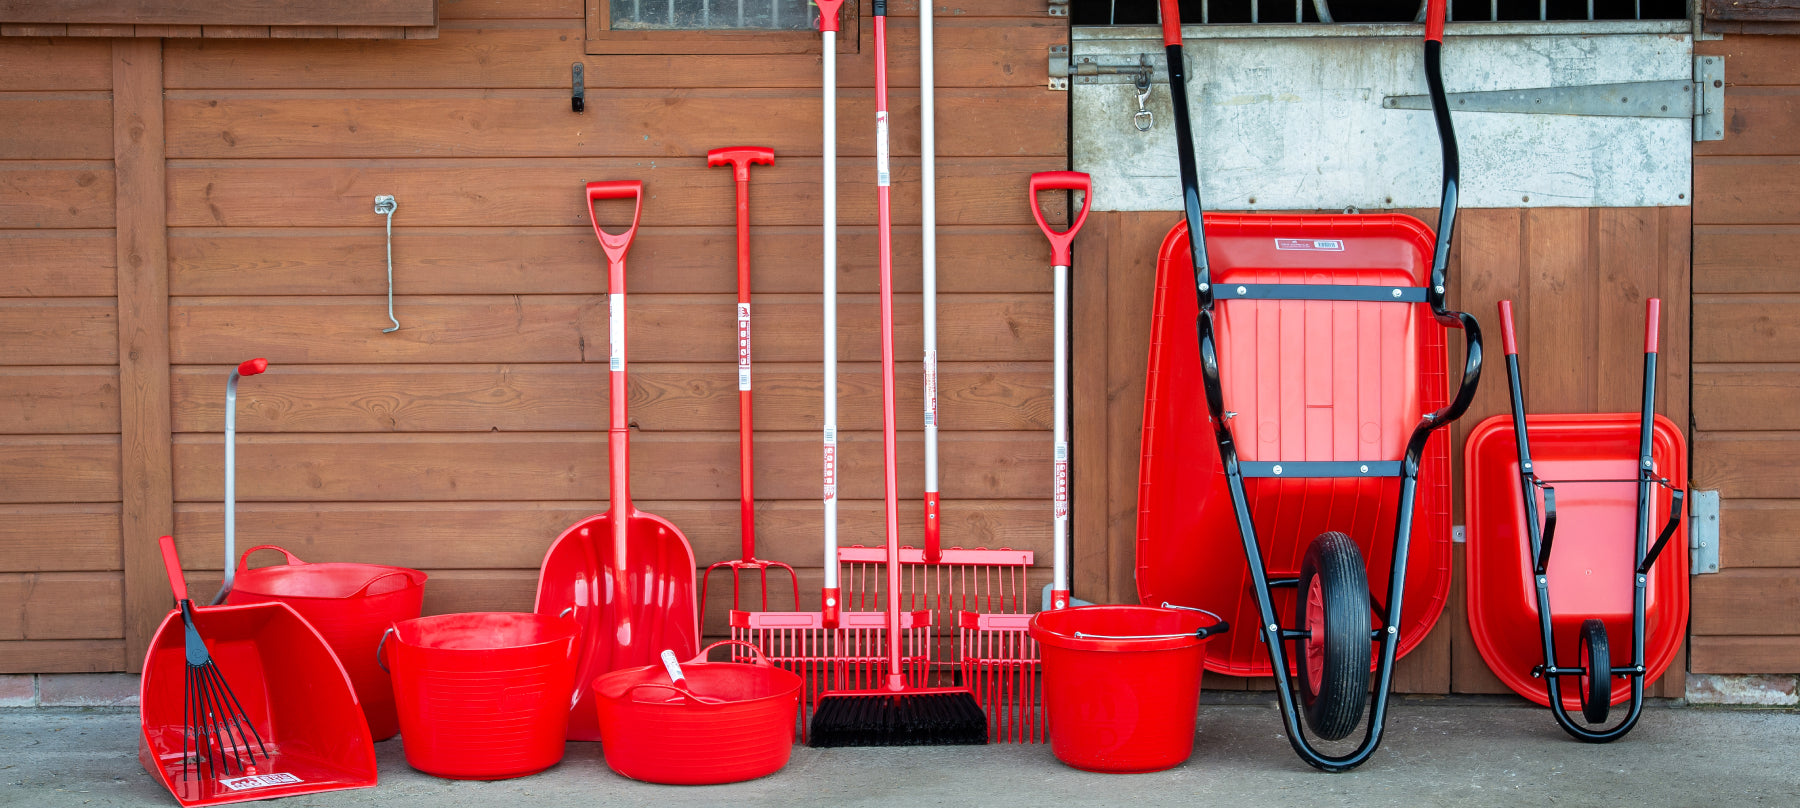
884,247
740,158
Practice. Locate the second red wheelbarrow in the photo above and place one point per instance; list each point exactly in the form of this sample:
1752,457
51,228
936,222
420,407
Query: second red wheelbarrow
1577,511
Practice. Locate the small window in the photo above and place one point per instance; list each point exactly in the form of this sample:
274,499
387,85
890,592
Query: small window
1219,12
712,26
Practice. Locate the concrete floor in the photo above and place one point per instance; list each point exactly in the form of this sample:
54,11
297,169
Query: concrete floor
1456,751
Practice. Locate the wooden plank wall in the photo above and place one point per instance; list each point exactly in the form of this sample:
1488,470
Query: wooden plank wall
1747,361
465,442
61,580
1578,278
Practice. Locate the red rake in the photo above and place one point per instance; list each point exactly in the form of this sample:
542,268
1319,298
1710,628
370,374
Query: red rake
999,661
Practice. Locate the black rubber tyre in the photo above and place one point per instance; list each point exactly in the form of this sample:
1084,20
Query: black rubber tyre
1596,685
1332,603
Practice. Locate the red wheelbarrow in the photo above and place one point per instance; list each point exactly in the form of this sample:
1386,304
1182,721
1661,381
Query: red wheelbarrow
1579,485
1320,367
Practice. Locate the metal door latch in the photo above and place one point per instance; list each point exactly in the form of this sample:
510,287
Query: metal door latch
1136,69
578,93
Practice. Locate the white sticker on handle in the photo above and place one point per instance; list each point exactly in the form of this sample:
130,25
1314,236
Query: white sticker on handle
931,388
616,330
1061,510
743,346
830,464
881,149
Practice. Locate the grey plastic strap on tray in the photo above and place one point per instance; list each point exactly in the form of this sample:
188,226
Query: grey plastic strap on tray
1320,468
1319,291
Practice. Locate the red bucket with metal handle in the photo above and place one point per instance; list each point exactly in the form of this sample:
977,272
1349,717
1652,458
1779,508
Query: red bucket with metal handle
350,605
1122,683
698,723
482,695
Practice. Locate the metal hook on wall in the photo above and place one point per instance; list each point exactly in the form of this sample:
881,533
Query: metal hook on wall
385,205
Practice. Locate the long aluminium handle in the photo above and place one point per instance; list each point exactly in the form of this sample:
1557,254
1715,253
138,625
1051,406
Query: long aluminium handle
830,597
248,368
1060,249
928,251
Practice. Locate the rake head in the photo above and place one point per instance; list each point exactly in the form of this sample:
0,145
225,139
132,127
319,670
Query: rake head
218,738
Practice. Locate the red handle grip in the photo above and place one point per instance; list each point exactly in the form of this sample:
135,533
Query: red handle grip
253,367
1434,21
1171,22
828,16
741,158
616,245
172,564
1652,323
1061,181
1510,345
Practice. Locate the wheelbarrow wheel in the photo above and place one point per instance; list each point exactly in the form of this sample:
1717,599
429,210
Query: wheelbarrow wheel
1596,677
1333,610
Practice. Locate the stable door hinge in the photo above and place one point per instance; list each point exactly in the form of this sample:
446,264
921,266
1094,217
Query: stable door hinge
1703,532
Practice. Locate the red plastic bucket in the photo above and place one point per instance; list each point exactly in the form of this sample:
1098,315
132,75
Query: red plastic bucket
483,695
731,722
350,605
1122,705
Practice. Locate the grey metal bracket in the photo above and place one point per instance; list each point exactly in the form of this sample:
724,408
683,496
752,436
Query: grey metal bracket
1104,69
1701,99
1059,8
1703,532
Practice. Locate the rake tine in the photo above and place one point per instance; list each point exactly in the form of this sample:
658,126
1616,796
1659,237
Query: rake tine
241,715
187,727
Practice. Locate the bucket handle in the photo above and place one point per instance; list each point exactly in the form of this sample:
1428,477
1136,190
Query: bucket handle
244,560
686,694
759,657
364,591
380,658
1218,627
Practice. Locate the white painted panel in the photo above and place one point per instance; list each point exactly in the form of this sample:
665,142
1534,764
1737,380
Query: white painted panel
1297,123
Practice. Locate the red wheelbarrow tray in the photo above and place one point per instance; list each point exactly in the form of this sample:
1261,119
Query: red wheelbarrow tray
1591,561
1310,380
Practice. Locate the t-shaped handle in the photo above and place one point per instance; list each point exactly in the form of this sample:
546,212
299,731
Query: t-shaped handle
740,158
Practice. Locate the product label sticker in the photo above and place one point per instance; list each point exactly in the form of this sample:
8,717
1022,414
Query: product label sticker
743,346
881,149
931,388
616,330
830,470
1061,510
259,781
1309,244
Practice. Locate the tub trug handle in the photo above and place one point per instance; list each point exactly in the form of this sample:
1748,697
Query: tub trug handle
379,659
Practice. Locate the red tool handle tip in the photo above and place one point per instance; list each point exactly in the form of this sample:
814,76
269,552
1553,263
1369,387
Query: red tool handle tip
253,367
1434,21
829,11
1507,340
172,565
1171,22
1652,323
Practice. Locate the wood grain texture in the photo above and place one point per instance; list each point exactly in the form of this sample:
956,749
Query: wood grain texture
1755,328
62,468
221,12
143,332
1750,465
661,328
971,53
1754,61
62,656
1744,655
59,400
524,192
1756,122
61,605
537,123
1753,259
1469,672
1745,190
56,195
60,538
568,260
573,397
1746,602
57,263
572,466
1746,397
59,331
59,126
56,64
1759,533
515,535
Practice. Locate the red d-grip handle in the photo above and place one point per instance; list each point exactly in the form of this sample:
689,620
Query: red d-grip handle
1061,181
828,15
172,564
741,158
1171,22
1510,345
1434,21
1652,323
616,246
253,367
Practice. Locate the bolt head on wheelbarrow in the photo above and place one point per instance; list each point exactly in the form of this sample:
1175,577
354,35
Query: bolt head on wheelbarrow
661,610
1591,567
291,686
1304,380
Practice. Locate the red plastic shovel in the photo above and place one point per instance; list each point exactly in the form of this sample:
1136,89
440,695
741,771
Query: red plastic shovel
628,575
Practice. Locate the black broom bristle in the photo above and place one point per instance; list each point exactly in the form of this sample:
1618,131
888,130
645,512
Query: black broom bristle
920,718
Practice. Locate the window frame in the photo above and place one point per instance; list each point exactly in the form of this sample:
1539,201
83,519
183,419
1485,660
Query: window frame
602,39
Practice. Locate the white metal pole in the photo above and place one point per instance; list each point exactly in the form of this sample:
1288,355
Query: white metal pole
928,251
1060,530
829,57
